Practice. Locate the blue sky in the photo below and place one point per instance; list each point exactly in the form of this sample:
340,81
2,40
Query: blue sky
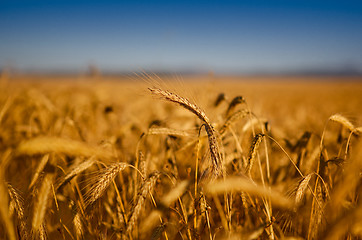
221,36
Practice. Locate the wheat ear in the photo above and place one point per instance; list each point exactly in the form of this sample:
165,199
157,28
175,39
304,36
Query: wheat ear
78,227
236,100
252,152
303,184
39,169
146,188
76,170
342,120
211,133
18,203
4,200
242,184
221,97
103,180
235,116
41,204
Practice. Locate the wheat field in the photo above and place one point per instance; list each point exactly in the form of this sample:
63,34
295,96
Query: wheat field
204,157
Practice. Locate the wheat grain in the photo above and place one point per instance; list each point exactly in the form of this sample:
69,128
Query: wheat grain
102,181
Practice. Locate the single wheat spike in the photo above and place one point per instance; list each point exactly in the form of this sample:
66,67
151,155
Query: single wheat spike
213,145
41,203
17,202
236,100
157,233
39,169
342,120
146,188
4,211
78,227
301,189
102,180
167,131
252,153
242,184
41,233
76,170
235,116
4,199
219,99
142,163
181,101
44,145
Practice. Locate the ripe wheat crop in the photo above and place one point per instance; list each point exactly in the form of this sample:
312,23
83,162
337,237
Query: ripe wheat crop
107,159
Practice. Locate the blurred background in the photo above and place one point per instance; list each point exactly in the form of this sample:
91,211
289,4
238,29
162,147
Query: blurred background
221,37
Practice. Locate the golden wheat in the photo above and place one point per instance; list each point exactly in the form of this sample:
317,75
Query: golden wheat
103,162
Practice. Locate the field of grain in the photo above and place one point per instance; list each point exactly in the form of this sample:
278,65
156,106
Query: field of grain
199,158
